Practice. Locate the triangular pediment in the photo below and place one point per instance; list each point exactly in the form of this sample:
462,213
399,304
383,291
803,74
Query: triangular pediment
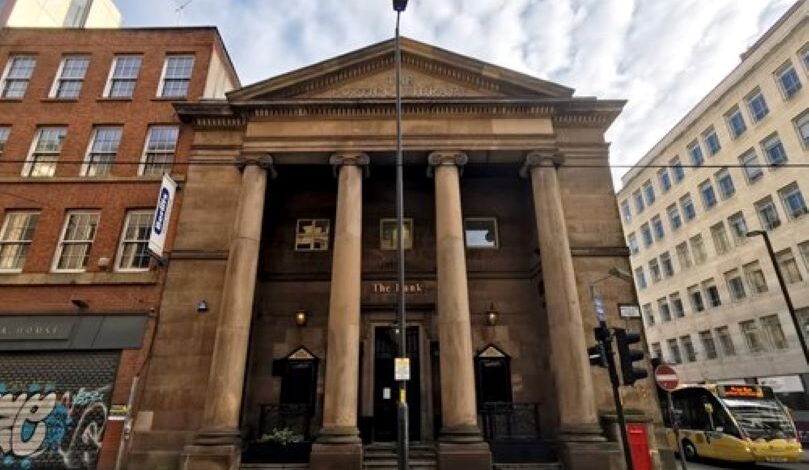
427,72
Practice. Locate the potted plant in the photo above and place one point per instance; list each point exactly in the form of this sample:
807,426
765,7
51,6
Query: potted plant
280,445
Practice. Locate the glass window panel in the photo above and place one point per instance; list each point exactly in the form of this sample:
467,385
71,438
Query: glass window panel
389,234
18,75
794,204
481,232
161,145
312,234
16,236
77,239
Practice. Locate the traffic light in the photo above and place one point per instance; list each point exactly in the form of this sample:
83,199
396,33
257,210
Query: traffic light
629,357
597,353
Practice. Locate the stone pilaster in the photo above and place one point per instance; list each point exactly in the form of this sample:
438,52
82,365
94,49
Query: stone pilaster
217,445
339,445
461,445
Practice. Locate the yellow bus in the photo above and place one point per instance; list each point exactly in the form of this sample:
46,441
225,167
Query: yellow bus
738,423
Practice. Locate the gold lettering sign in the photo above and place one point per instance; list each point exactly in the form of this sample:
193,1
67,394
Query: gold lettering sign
416,287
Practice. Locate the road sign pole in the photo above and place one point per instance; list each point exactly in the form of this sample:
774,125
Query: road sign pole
676,428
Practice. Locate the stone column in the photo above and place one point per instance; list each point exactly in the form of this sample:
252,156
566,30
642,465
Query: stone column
217,444
570,364
461,444
339,445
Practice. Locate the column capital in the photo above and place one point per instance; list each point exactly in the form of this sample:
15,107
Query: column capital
544,158
263,161
444,157
349,159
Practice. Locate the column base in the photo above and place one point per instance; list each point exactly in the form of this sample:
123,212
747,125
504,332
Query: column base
463,448
581,455
211,457
337,448
581,433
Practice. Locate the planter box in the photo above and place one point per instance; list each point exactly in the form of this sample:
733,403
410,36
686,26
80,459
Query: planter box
271,452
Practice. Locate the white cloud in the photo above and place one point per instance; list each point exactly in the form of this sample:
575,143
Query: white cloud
661,55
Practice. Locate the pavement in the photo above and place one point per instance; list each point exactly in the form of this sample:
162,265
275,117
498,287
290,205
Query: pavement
705,464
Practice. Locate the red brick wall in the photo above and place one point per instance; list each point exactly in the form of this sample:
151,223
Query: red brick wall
112,197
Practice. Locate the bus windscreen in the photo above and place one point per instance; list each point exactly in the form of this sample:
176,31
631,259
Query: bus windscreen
761,418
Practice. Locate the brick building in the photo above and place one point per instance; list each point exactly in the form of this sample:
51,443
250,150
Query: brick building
87,128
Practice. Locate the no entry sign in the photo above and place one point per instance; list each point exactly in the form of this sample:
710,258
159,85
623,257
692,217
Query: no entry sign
666,377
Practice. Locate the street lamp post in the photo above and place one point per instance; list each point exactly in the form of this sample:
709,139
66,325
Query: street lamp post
402,412
787,298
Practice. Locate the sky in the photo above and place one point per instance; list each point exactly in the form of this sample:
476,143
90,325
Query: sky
662,56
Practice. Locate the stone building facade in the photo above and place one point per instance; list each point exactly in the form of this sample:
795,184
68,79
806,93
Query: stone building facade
710,295
286,233
80,116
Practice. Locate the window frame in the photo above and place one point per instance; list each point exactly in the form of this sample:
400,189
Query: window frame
122,241
408,242
88,162
770,142
762,203
706,139
161,85
20,242
729,115
482,219
779,74
796,122
677,169
749,161
60,246
7,71
312,220
56,86
785,193
145,154
5,134
749,100
695,153
109,84
703,186
31,161
721,176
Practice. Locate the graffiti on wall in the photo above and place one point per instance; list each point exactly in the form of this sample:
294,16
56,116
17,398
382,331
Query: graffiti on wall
41,426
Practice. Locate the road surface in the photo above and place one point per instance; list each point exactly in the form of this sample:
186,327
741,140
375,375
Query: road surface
710,465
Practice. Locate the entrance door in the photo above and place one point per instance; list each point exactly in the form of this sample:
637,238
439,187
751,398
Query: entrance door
386,389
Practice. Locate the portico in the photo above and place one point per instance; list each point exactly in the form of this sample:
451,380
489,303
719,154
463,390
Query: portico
498,217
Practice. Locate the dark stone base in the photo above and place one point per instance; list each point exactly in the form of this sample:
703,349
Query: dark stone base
336,457
587,455
468,456
208,457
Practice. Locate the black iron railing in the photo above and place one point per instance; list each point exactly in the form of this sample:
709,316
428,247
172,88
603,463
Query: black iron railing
510,421
296,417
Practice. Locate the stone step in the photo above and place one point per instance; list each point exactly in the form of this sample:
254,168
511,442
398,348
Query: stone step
274,466
528,466
418,454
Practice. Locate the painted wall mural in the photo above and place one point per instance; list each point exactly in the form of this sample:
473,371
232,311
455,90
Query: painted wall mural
49,419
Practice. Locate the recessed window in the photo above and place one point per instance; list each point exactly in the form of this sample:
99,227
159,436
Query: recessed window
648,314
665,263
802,127
657,223
657,350
77,239
735,122
726,341
720,238
639,204
388,234
712,293
794,204
688,207
767,213
45,152
70,77
738,227
735,285
803,247
632,243
756,105
683,255
312,234
695,152
654,270
123,76
4,132
663,307
752,336
640,278
481,232
788,266
698,249
677,169
674,350
708,194
17,75
133,254
804,53
674,216
676,305
708,345
774,150
646,233
626,211
161,145
755,277
773,331
176,76
649,192
711,140
102,152
664,179
688,347
725,183
752,167
15,239
788,80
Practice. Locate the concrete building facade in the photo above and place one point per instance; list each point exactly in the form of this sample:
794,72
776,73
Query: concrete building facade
286,234
59,14
87,128
710,297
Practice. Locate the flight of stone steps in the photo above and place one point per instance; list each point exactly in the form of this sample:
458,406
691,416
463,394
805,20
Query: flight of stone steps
383,457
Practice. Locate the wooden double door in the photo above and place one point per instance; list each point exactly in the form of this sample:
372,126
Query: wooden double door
386,389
